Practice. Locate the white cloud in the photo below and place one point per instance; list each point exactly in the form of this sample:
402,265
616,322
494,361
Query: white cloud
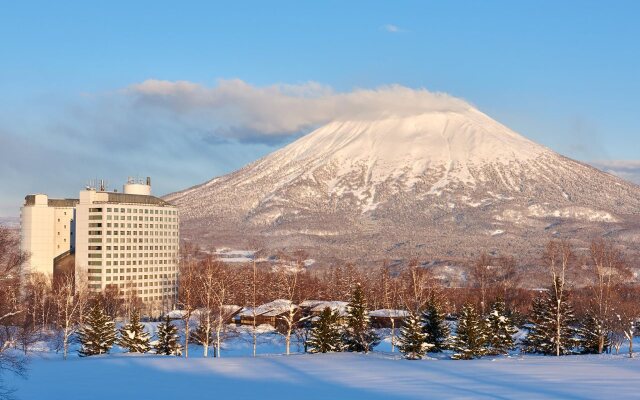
234,108
625,169
391,28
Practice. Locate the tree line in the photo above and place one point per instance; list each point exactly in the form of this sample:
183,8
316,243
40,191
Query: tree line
588,303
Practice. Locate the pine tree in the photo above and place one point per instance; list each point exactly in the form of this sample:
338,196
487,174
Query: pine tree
133,336
435,326
413,341
536,342
561,321
470,338
550,324
167,342
98,334
593,334
358,335
500,330
325,335
199,335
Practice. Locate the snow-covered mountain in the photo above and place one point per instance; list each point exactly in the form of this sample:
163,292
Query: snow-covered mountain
441,185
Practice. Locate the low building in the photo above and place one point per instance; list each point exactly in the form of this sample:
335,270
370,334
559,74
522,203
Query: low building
386,318
316,307
272,313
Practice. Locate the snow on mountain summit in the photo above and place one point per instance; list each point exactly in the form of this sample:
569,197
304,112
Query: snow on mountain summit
434,137
392,147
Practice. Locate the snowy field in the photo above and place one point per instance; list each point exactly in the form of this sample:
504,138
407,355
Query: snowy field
329,376
379,375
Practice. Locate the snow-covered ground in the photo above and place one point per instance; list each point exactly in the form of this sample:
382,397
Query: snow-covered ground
328,376
271,375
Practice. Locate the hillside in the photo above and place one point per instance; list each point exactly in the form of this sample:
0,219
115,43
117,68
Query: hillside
438,185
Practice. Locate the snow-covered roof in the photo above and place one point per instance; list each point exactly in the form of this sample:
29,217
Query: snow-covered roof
227,309
340,306
230,309
271,309
311,303
387,313
176,314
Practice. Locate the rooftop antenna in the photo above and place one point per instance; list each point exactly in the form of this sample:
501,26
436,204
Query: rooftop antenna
90,185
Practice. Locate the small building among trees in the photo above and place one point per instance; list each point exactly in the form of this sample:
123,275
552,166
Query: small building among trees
387,318
271,313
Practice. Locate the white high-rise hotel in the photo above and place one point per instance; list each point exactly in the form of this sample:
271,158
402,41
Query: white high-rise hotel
124,240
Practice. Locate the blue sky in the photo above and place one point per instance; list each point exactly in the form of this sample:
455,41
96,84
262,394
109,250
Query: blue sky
565,74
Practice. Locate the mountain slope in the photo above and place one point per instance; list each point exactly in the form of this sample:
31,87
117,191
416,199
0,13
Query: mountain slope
438,185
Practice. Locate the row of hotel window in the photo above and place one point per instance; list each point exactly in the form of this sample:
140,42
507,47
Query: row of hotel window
146,282
129,270
99,217
136,233
135,240
132,255
136,210
97,263
135,225
165,247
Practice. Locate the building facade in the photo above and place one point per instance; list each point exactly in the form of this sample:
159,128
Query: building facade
47,231
126,241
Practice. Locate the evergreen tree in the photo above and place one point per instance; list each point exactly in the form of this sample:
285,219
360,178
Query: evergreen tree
358,335
167,342
536,342
133,336
98,334
199,335
470,338
435,326
325,335
413,341
500,330
593,335
561,323
551,323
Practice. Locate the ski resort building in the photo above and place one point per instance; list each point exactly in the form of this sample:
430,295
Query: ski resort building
47,231
126,241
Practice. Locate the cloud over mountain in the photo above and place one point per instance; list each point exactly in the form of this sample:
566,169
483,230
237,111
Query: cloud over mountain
234,108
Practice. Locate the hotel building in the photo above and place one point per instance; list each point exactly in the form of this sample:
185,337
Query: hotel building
127,240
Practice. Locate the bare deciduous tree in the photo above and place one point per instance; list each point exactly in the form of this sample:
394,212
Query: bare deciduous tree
481,277
417,284
288,272
207,271
187,289
12,309
389,288
608,269
70,298
223,284
559,260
